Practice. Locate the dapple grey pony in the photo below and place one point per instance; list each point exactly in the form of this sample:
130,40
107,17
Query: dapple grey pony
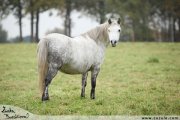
78,55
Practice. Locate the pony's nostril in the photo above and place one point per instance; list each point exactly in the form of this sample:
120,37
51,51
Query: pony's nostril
113,42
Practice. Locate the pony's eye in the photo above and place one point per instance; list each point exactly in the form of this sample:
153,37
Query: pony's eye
119,30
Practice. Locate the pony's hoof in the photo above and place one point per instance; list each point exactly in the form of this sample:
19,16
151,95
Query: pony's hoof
45,98
92,97
82,95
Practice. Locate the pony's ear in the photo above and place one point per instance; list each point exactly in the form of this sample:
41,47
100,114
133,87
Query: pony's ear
109,21
119,21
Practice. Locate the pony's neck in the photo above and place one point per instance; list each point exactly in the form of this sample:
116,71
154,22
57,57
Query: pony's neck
99,34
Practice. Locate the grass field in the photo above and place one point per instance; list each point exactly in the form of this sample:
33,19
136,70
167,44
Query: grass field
135,79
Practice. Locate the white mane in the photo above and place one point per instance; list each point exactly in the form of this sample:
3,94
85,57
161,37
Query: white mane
99,33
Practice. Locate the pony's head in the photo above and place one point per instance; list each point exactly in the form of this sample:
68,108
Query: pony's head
114,31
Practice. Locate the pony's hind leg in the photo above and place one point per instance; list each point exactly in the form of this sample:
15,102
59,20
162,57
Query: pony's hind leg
84,82
51,73
94,74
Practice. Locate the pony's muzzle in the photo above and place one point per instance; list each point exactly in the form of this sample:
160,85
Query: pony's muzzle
113,43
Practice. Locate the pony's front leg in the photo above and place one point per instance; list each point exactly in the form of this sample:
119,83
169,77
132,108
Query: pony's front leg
94,74
84,82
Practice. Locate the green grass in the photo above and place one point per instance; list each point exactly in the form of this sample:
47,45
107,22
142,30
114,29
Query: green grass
135,79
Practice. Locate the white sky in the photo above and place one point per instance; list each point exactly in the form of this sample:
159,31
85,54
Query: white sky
81,24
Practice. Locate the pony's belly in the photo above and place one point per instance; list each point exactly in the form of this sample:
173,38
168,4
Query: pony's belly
71,69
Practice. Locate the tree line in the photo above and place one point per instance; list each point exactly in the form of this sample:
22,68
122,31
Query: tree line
143,20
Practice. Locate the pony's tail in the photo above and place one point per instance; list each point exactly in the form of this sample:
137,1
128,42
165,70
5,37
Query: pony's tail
42,63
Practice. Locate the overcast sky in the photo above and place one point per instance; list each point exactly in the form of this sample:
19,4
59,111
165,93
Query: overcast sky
81,24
